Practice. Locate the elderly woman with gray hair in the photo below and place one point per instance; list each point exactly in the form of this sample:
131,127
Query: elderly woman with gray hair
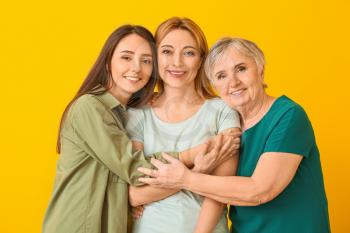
279,183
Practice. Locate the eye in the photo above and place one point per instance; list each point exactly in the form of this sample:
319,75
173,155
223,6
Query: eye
241,69
147,61
166,51
189,53
220,76
126,58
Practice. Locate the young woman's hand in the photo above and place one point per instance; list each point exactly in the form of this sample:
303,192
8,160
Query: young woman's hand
137,211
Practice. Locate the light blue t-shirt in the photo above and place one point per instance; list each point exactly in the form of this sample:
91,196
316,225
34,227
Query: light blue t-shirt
179,212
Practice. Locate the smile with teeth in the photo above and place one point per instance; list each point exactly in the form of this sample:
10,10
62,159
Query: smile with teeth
238,92
132,78
176,72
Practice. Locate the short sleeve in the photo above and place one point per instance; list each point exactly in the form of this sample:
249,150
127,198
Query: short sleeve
293,133
228,117
135,124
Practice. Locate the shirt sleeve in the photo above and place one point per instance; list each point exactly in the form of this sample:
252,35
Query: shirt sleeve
135,125
293,133
228,117
104,140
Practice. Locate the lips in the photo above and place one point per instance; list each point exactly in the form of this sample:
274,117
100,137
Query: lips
237,92
132,78
176,73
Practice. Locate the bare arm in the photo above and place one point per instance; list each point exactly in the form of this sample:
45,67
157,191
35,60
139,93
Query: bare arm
141,195
211,210
222,148
272,174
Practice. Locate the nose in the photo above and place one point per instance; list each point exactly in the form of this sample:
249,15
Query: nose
177,59
234,81
135,66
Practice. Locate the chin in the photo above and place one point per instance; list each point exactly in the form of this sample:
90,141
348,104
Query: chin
134,88
234,102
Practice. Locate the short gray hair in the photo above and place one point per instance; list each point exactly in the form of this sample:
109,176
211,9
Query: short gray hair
245,47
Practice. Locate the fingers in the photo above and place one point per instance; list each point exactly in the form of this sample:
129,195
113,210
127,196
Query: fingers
148,172
226,148
234,136
137,211
237,140
218,143
206,146
150,181
168,158
158,164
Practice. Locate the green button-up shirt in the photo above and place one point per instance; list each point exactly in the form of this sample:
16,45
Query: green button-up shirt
95,166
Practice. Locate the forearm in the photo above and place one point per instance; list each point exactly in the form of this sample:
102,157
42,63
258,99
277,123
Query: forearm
209,216
187,157
212,209
229,200
226,189
147,194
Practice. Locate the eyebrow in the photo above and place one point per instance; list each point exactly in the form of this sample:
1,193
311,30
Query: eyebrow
131,52
186,47
220,71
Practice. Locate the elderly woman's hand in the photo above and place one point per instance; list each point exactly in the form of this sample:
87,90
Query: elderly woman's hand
172,174
169,175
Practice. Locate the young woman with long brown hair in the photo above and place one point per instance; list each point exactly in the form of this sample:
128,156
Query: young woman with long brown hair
96,161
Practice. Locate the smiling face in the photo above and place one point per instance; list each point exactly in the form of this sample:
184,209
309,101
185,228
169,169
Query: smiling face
237,79
131,65
178,59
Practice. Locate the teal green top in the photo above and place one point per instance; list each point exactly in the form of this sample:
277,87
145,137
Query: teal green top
302,206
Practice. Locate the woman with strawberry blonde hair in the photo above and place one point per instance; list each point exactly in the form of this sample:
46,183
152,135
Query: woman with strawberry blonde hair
184,113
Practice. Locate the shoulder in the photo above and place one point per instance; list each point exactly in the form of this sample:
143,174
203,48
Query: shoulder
139,112
87,101
224,115
285,107
139,115
285,114
218,104
88,105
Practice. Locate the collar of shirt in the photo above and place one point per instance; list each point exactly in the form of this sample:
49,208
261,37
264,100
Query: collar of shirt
109,100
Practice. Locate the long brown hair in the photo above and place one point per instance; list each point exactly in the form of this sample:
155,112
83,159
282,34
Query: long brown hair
100,73
202,84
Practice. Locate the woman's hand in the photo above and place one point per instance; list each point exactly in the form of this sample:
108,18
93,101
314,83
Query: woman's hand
221,148
137,211
170,175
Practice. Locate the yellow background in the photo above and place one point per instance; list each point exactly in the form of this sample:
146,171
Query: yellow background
48,47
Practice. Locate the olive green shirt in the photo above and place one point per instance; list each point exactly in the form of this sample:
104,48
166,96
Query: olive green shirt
95,166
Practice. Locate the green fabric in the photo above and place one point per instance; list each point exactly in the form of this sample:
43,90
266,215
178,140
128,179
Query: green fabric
95,166
302,206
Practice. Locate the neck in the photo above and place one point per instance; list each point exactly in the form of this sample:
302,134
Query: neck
180,96
253,112
121,96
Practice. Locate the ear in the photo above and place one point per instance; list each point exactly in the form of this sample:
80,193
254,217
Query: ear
263,78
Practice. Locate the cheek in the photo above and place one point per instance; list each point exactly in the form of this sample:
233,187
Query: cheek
147,72
221,89
194,65
162,61
117,69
